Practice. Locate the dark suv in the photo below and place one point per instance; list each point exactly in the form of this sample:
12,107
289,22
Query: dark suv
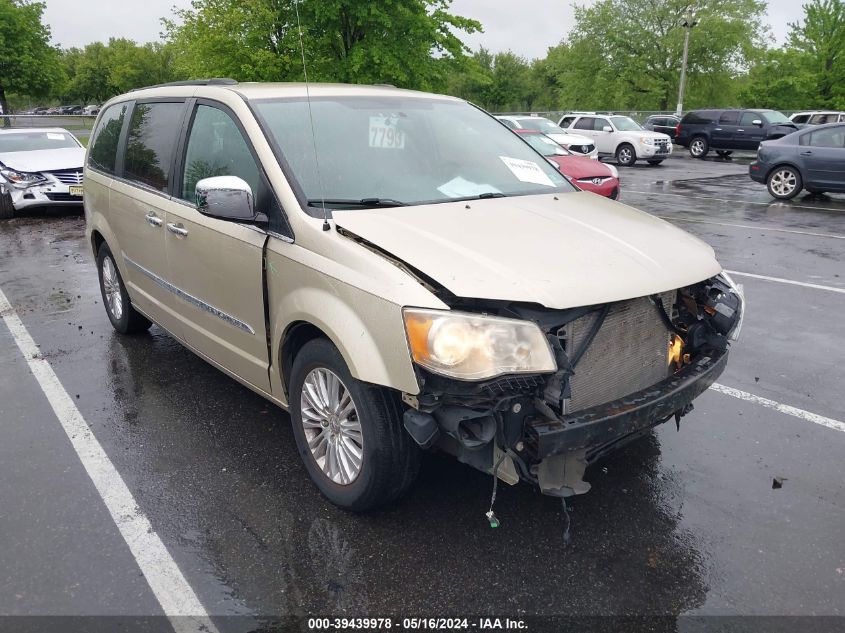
728,130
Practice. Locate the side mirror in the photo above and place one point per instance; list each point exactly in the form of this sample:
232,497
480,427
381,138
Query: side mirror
757,122
607,128
225,197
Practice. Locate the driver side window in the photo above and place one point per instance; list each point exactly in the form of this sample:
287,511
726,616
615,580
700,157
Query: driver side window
216,147
600,124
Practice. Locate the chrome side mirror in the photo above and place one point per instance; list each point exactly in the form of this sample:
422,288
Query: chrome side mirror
225,197
607,128
757,122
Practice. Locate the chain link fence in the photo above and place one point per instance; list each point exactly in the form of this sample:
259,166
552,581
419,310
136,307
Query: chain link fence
78,124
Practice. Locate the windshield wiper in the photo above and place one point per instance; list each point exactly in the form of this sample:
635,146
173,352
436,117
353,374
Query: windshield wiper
361,202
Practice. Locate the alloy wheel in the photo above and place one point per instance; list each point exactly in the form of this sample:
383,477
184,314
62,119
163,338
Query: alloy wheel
697,147
783,182
111,286
624,155
332,427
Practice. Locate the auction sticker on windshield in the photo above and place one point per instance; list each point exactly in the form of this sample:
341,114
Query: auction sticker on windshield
384,133
527,171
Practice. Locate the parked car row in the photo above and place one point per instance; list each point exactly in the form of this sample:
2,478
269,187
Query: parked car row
89,110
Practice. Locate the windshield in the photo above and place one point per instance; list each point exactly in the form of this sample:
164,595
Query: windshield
541,125
387,151
775,117
544,145
31,141
625,124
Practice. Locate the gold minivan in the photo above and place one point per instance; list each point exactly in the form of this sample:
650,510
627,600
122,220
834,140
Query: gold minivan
401,273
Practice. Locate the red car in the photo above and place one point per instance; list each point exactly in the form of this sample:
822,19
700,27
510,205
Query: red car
584,173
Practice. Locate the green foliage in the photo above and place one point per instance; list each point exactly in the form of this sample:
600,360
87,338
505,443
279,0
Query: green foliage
28,63
408,43
632,50
809,71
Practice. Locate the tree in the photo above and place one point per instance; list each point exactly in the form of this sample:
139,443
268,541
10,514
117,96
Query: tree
632,50
28,63
820,44
409,43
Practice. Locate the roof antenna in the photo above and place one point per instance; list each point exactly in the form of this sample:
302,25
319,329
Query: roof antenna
326,225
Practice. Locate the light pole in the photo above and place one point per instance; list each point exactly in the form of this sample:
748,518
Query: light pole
687,24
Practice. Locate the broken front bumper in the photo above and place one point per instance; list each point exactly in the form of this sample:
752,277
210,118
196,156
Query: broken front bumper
598,427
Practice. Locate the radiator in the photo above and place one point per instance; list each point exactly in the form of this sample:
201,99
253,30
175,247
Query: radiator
628,354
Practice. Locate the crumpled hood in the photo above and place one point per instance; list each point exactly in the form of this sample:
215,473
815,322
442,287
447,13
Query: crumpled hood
45,159
577,250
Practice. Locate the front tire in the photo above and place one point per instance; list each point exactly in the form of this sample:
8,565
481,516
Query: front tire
124,318
7,210
724,153
699,147
349,433
655,162
626,155
784,183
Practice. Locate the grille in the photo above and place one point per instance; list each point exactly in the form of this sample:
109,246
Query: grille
582,149
68,176
628,353
662,145
63,197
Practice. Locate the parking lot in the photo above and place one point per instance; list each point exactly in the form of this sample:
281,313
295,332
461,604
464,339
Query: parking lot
680,523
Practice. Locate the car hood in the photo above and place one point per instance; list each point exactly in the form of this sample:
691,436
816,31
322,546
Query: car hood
581,167
575,250
45,159
650,134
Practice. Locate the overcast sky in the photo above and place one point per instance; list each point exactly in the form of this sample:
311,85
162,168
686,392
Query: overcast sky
527,27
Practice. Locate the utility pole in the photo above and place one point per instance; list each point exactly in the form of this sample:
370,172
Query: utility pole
687,24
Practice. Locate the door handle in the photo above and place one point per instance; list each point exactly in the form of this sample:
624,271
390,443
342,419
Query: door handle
740,130
176,229
717,129
807,153
153,219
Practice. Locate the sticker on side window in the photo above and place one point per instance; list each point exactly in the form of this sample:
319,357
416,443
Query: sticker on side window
527,171
385,133
53,136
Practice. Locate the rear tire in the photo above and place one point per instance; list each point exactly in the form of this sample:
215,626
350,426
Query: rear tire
124,318
784,183
699,146
7,210
626,155
371,432
724,153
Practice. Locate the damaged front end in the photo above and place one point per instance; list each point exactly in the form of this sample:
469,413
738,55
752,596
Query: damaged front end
618,370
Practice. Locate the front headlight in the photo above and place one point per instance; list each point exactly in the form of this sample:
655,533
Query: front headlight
613,171
733,335
20,179
474,347
646,140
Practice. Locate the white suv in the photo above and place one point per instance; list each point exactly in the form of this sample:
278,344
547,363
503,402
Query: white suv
620,136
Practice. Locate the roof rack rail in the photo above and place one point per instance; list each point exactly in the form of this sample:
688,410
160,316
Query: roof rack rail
213,81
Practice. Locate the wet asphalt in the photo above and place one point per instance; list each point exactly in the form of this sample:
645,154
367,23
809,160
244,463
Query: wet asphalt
680,523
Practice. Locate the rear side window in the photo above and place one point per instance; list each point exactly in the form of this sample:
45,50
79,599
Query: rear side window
729,117
105,137
151,143
566,121
699,117
585,123
829,137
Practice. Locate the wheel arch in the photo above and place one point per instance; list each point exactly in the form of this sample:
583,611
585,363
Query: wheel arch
785,163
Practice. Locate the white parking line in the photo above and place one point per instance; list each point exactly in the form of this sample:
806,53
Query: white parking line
830,423
171,589
756,227
787,281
